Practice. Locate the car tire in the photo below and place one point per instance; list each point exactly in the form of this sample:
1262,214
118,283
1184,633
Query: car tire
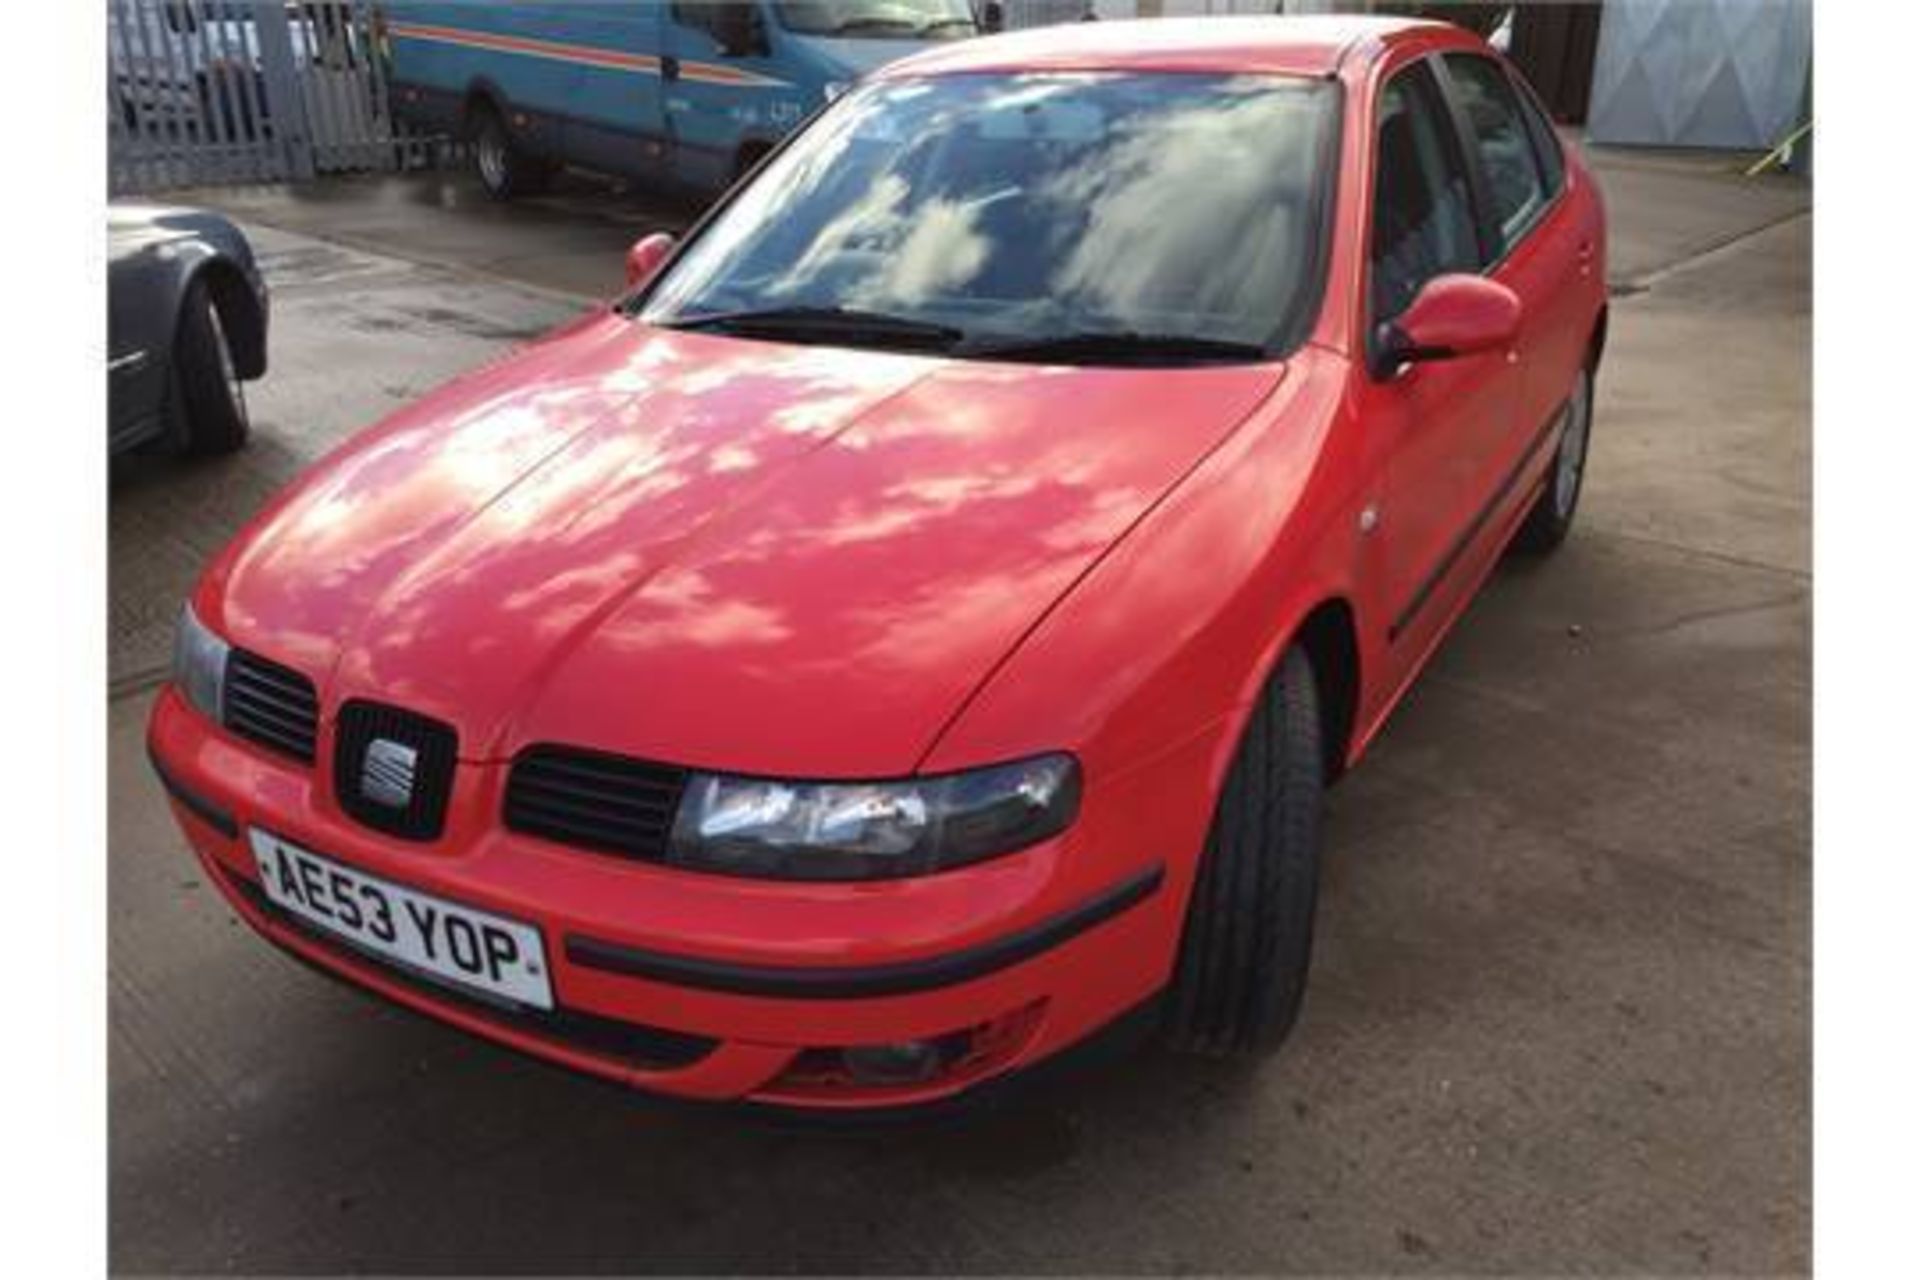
1242,967
212,405
1548,523
505,171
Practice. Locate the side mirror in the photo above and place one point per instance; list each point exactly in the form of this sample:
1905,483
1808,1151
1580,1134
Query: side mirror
1452,315
993,17
645,258
736,29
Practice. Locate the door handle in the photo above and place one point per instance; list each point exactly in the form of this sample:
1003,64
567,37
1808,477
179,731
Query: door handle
669,68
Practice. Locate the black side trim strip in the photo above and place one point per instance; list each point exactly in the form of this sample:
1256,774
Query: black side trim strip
1472,531
193,802
826,983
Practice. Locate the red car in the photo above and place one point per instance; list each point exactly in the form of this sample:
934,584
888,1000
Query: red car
907,638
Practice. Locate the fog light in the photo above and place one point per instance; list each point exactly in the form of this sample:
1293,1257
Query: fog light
899,1065
902,1061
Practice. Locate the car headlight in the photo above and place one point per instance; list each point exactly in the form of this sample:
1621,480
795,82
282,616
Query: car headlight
871,830
199,664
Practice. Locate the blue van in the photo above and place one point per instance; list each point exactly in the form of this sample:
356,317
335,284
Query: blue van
689,92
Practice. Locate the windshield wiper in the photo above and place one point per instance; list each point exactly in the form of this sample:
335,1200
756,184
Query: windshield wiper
939,23
826,323
1119,346
869,23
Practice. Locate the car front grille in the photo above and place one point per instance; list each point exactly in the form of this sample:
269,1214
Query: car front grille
411,754
272,705
605,802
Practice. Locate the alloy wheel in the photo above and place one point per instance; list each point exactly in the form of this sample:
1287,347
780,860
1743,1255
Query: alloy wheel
490,151
228,373
1572,458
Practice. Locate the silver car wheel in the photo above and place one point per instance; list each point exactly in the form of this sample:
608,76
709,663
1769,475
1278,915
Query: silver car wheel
228,373
490,150
1572,458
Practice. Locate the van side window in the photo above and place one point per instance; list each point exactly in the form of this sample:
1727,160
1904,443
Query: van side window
1422,214
1515,183
705,15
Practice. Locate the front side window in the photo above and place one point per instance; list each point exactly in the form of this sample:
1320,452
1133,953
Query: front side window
1546,144
1515,184
1422,210
715,17
1057,208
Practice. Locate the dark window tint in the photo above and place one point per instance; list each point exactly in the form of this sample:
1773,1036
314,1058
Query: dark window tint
710,16
1546,143
1515,184
1422,214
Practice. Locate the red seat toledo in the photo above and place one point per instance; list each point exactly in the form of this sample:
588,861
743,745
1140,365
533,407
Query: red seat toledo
905,640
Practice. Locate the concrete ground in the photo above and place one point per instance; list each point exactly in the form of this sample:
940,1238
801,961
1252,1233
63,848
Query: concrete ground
1560,1016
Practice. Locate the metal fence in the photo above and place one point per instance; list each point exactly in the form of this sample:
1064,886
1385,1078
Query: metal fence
223,91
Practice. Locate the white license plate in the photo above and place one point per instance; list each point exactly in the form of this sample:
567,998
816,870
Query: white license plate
473,949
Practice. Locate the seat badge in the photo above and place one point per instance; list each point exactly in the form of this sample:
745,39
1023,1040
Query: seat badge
386,773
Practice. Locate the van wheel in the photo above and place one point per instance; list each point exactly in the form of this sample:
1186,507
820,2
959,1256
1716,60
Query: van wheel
1242,968
505,171
208,382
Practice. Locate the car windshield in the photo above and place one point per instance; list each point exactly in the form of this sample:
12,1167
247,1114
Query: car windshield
881,19
1078,214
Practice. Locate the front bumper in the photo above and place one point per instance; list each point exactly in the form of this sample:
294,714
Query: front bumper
704,987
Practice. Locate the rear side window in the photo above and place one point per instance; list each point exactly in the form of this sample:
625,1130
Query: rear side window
1422,212
1499,133
1546,143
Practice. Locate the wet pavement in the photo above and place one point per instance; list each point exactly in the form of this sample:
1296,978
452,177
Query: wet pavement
571,238
1560,1016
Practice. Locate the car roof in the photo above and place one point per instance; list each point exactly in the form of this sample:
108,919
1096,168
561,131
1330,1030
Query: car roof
1312,45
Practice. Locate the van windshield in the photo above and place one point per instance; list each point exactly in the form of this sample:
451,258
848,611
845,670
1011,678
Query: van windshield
879,19
1163,217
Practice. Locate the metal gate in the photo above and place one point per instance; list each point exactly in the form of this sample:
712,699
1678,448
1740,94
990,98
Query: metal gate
1675,73
235,91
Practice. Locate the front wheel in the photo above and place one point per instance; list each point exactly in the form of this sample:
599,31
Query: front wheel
1242,969
1547,525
